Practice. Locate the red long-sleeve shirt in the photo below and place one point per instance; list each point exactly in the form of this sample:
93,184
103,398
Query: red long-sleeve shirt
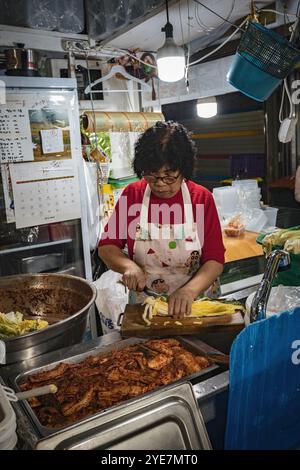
120,229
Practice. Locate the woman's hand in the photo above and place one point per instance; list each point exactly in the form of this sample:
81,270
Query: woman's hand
134,278
180,302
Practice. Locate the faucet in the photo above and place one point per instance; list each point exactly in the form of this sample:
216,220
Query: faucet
277,260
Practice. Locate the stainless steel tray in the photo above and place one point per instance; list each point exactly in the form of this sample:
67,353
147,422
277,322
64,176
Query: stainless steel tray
165,420
193,345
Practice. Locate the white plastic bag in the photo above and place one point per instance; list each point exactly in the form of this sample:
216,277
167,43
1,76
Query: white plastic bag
111,300
282,299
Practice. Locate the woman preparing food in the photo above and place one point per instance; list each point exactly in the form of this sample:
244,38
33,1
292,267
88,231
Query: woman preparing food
169,223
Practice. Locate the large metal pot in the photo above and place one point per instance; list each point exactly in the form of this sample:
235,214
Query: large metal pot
63,300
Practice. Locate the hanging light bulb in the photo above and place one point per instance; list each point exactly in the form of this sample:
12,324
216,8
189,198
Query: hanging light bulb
170,57
207,107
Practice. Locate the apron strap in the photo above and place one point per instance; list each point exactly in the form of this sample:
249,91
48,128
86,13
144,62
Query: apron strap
145,208
188,209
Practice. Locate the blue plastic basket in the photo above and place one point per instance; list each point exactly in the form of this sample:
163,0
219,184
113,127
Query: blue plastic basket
250,80
269,51
262,60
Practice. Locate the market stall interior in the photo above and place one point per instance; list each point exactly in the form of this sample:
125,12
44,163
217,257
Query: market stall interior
122,327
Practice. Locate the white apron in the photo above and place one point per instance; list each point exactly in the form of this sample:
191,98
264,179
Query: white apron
169,254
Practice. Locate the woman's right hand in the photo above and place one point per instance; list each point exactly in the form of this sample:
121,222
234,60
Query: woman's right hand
134,278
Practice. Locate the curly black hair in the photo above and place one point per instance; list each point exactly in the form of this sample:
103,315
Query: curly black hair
165,144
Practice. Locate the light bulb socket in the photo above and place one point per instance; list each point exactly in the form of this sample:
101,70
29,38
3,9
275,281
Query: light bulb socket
168,30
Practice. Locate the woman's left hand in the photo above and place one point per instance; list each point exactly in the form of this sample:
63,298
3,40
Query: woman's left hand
180,302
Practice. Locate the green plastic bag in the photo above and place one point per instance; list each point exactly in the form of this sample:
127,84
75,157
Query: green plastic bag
291,276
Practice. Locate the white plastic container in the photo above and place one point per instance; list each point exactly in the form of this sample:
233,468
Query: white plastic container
245,183
257,221
226,199
271,214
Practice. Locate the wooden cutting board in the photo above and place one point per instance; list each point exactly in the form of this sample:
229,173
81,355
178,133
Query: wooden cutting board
134,325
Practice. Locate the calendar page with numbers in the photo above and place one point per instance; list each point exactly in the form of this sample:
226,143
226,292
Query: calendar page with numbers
44,192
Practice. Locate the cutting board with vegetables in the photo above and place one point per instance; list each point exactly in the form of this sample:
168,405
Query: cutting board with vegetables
288,240
161,326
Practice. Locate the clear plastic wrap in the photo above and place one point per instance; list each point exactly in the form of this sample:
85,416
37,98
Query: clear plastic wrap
40,14
71,17
62,15
282,299
105,17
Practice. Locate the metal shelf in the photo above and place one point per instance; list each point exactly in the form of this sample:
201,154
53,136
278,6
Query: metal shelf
37,38
31,247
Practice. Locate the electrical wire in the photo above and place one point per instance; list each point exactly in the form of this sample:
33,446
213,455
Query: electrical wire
105,53
114,50
220,45
97,163
210,29
224,42
167,11
285,89
269,10
217,14
189,47
91,98
125,52
180,19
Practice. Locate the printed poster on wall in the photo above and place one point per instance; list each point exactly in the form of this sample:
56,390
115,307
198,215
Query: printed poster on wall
50,130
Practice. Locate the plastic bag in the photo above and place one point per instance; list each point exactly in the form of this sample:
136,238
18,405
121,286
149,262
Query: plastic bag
111,300
283,298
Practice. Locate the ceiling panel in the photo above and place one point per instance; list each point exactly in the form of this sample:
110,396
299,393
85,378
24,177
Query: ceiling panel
190,21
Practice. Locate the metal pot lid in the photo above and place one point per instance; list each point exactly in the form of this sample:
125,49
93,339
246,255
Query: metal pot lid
166,420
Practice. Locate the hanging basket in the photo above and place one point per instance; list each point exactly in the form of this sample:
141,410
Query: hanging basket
263,60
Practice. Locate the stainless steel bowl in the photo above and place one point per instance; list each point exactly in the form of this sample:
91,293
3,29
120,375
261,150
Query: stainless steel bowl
63,300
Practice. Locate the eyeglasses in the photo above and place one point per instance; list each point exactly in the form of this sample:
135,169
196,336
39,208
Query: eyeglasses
164,179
